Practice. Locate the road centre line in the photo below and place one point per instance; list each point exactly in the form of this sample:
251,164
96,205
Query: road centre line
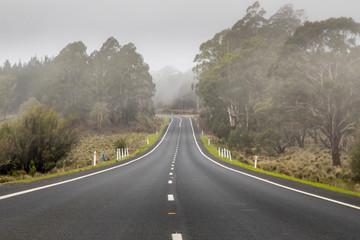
171,197
176,236
170,182
88,175
270,182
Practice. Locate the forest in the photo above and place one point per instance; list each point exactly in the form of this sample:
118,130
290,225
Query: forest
174,90
49,97
267,84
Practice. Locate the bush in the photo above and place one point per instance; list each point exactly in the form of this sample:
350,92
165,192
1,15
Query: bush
355,159
240,139
120,143
220,128
18,173
39,135
32,168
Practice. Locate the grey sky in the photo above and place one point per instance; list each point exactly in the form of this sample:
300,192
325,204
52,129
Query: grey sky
166,32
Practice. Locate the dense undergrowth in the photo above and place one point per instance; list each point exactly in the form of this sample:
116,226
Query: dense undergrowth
81,157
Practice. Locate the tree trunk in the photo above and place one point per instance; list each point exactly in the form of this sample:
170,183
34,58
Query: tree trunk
232,116
335,154
247,117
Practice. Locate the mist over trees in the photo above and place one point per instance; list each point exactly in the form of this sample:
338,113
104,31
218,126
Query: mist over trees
270,83
174,89
111,84
51,96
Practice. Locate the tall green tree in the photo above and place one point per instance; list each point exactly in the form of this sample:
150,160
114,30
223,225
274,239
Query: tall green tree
69,69
7,94
323,57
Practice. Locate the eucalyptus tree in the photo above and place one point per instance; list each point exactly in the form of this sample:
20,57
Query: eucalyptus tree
69,70
232,67
7,89
323,58
7,94
131,86
99,72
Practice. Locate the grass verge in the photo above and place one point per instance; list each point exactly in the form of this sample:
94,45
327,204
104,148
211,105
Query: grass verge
152,139
214,151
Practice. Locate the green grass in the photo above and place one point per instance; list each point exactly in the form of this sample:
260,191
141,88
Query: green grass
214,151
152,139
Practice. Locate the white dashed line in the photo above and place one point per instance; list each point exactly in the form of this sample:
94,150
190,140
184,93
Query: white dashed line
171,174
176,236
169,182
170,197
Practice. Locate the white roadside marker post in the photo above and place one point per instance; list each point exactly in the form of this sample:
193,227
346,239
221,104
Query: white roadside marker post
127,152
95,158
219,152
147,141
122,153
208,141
202,133
230,155
256,158
117,154
222,152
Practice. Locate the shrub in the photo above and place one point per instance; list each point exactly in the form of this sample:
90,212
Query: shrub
355,159
32,168
120,143
18,173
39,135
240,139
220,128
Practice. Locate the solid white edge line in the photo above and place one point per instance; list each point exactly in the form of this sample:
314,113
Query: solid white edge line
270,182
176,236
88,175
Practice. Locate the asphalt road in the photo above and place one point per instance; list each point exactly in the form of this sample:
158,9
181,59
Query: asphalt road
173,193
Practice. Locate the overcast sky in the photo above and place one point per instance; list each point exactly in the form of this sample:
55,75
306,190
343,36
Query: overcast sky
165,32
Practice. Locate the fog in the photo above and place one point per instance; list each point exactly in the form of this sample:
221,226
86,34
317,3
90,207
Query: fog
174,89
268,76
165,32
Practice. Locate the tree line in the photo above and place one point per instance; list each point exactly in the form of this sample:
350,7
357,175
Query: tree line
174,89
112,83
50,97
270,83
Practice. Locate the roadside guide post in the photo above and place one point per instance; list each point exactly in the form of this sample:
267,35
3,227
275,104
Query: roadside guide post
95,158
103,154
256,158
